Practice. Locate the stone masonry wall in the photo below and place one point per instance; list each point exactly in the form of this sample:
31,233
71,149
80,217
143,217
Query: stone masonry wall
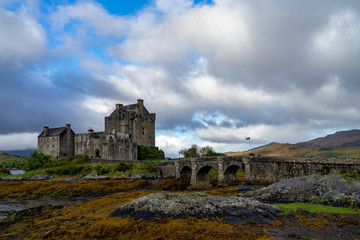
49,145
268,170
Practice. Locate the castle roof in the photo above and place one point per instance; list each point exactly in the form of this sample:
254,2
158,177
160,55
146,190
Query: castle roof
123,109
54,132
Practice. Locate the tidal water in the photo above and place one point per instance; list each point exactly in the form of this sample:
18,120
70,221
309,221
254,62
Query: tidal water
19,205
17,171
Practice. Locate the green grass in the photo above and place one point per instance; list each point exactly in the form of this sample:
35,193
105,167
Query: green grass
154,160
349,176
316,208
81,167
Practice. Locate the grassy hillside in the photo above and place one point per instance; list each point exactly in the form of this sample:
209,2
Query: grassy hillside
7,157
350,138
300,150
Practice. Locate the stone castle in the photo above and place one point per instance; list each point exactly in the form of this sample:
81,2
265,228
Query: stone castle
125,128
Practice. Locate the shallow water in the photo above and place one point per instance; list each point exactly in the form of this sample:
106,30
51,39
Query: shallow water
17,205
17,171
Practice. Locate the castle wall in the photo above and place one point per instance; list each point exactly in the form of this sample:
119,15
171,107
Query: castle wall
144,130
66,143
49,145
88,144
105,146
122,150
126,128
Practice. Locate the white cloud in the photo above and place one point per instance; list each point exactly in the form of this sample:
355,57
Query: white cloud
273,70
18,141
259,134
174,6
89,15
339,38
23,39
171,145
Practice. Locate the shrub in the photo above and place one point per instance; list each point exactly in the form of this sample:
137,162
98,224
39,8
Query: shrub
325,149
83,159
69,170
100,170
122,167
4,170
145,168
12,164
36,161
152,152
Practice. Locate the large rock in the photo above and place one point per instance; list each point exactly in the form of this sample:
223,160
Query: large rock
95,176
332,189
181,205
41,177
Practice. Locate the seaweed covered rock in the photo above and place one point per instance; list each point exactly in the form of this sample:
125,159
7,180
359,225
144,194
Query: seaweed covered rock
331,189
181,205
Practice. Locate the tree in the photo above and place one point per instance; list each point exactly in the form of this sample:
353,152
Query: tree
196,151
37,160
152,152
191,152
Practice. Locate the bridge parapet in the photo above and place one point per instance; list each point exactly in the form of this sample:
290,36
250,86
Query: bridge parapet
261,170
268,170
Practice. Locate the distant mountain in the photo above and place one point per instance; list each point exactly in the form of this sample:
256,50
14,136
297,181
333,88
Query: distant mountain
302,150
344,144
20,153
349,138
269,144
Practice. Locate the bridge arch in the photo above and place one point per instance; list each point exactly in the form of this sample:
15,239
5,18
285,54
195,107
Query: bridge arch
230,172
202,175
185,173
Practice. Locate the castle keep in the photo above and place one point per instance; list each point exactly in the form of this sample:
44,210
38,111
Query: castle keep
125,128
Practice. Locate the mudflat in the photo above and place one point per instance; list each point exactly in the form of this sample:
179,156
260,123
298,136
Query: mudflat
93,217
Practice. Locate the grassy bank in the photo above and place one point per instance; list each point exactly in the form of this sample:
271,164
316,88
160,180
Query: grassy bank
84,166
316,208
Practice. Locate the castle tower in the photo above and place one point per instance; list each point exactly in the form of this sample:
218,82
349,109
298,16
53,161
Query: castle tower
135,120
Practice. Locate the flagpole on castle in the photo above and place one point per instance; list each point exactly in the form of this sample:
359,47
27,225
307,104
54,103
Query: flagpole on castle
248,139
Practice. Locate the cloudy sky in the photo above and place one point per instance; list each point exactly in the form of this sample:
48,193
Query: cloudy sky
214,72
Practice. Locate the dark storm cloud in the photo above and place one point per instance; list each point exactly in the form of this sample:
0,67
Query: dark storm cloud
276,70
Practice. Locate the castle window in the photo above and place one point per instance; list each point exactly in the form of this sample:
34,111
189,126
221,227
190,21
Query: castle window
143,131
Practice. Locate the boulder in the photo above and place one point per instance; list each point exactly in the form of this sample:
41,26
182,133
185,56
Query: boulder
331,189
182,205
95,176
40,177
140,176
13,179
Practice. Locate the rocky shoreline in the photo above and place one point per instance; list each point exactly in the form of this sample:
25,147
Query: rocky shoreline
329,189
161,209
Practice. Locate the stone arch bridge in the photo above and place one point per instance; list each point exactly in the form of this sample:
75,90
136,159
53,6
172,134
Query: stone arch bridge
258,170
197,169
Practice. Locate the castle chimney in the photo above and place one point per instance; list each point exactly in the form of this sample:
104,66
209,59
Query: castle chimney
91,130
141,106
68,127
46,131
118,106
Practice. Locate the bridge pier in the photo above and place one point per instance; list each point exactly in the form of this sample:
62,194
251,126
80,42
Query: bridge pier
221,174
